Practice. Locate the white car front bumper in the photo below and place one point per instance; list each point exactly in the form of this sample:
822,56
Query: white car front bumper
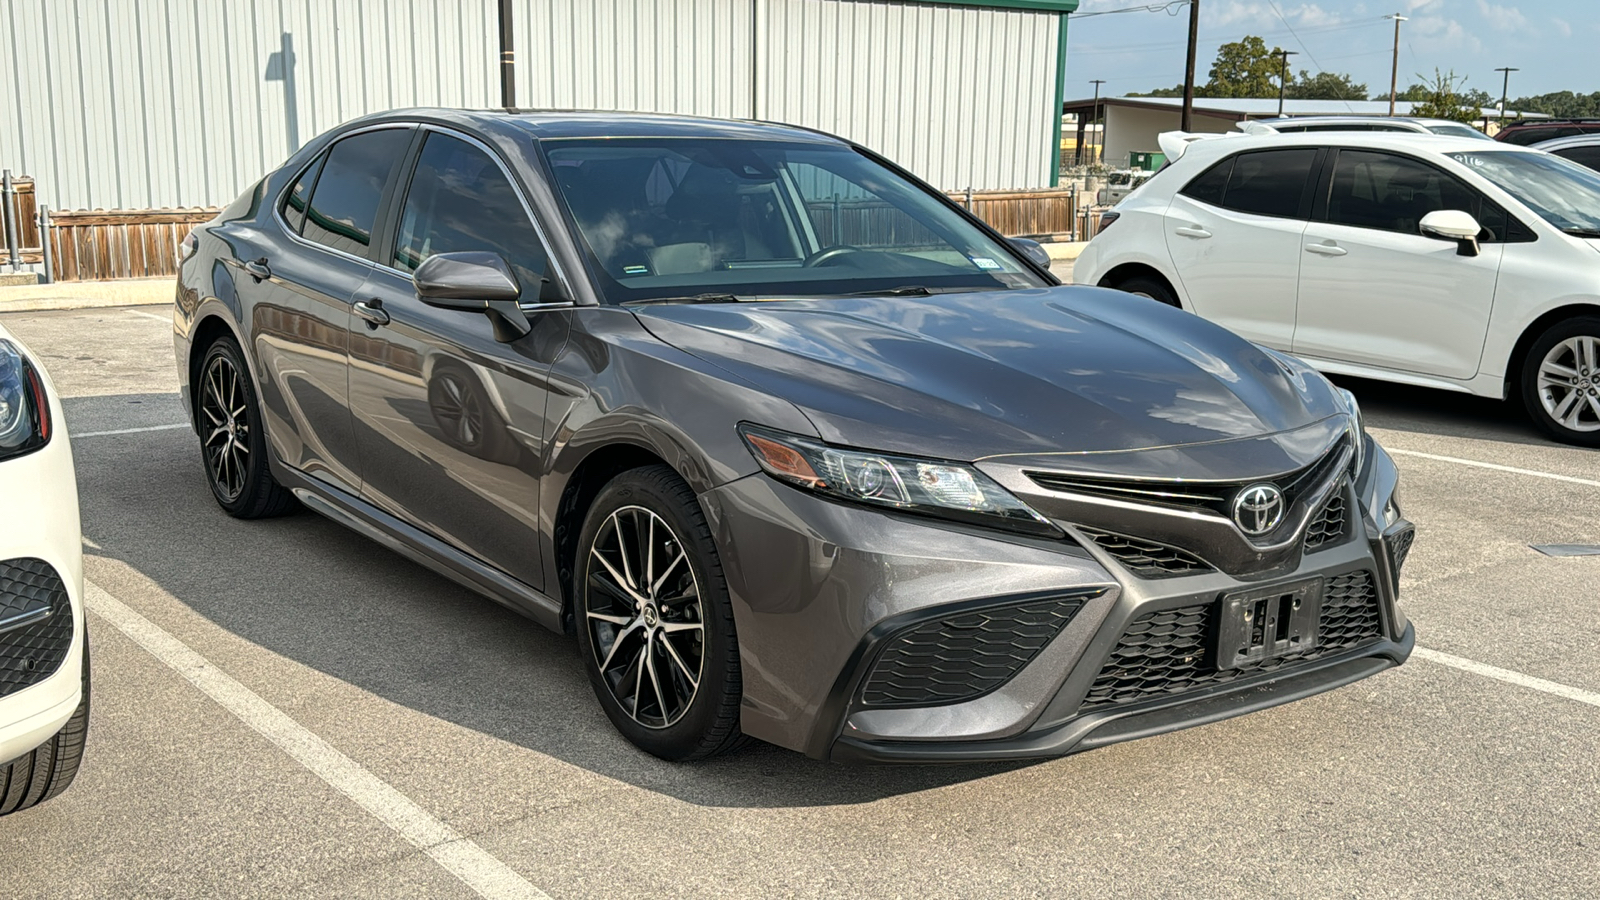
39,521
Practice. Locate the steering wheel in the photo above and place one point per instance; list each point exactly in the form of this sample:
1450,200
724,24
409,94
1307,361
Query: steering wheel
827,254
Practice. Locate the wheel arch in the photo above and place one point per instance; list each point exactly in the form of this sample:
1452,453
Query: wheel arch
207,329
1124,271
1519,350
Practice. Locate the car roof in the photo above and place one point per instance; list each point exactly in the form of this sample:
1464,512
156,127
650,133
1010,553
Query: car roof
1350,120
556,124
1232,142
1571,140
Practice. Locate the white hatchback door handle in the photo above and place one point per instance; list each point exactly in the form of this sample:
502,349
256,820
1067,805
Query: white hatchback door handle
1327,249
1192,231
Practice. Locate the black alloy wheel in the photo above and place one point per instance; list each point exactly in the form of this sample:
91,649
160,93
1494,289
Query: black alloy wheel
231,438
654,619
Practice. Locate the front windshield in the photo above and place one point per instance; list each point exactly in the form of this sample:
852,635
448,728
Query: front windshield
683,217
1563,193
1458,131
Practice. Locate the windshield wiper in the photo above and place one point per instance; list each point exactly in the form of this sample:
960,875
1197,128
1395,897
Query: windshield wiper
904,290
1581,232
696,298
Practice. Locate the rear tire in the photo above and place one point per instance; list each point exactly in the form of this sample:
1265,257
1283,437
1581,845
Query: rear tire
1149,286
1561,381
654,621
50,768
233,440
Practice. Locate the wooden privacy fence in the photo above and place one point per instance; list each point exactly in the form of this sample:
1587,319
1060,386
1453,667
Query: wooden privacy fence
98,244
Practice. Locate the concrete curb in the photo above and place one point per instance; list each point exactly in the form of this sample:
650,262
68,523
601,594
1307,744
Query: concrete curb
87,294
1065,249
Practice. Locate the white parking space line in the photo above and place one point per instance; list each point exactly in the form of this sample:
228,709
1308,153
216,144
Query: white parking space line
1494,466
90,434
1508,676
139,312
458,854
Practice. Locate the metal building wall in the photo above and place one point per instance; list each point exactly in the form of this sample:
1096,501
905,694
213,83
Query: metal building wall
153,103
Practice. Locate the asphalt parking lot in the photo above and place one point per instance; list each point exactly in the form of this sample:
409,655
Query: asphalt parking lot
283,708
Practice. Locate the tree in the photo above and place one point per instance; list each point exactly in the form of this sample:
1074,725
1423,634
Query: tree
1325,86
1163,92
1562,104
1245,68
1444,97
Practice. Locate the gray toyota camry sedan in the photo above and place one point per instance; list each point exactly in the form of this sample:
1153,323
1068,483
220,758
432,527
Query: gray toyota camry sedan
796,448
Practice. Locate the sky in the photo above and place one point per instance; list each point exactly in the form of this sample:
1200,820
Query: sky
1550,41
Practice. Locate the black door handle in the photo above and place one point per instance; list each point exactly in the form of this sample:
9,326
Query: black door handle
258,269
372,311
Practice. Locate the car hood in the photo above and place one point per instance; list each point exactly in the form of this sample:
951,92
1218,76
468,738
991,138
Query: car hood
973,375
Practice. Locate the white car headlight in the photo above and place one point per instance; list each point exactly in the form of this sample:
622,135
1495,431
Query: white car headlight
24,414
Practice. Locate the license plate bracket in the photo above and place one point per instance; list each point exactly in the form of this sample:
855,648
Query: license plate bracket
1268,623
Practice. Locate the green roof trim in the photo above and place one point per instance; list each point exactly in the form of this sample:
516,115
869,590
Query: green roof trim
1060,6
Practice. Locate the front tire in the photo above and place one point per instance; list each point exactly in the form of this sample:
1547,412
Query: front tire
50,768
1561,381
1151,287
654,621
232,439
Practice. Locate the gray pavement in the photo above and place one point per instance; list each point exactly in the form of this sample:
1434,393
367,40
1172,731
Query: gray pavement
1423,781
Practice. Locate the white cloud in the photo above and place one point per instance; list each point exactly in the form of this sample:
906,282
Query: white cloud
1433,34
1261,13
1504,19
1563,26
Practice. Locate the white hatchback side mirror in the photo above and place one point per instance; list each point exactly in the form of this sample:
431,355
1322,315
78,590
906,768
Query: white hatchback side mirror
1453,225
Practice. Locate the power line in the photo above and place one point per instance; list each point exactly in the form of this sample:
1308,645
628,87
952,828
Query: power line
1170,8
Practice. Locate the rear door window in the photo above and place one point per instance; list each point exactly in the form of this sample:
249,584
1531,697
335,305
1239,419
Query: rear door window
1211,184
344,202
459,200
294,205
1583,156
1270,182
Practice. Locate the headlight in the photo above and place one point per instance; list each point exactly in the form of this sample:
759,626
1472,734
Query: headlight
24,414
1358,431
949,490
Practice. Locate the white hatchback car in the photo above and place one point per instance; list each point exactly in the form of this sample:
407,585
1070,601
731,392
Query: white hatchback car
44,658
1443,262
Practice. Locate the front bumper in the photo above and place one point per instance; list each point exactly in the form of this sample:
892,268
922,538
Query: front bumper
823,593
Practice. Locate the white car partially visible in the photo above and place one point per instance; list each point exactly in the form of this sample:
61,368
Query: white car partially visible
44,658
1443,262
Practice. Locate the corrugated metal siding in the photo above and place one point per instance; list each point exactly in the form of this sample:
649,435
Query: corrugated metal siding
959,95
152,103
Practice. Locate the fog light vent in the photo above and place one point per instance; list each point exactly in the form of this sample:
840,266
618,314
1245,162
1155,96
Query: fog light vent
35,623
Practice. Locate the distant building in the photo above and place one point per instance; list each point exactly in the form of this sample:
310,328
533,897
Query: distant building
1132,123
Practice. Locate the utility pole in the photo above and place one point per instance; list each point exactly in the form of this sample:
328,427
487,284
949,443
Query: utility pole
1505,85
1394,70
1100,145
1283,75
508,82
1188,71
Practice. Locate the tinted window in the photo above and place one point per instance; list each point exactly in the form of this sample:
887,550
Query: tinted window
344,202
1583,156
1269,183
460,199
1525,136
294,206
1211,184
1392,193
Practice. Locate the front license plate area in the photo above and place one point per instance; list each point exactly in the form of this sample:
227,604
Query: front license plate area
1268,623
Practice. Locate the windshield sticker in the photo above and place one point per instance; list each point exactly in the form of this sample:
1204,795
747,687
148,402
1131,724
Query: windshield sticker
636,270
984,262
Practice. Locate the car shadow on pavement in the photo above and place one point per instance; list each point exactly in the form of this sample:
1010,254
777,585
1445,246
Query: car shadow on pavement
327,598
1400,407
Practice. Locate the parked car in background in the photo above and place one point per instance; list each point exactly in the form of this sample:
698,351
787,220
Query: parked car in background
1583,149
1442,262
1535,131
1119,184
1302,124
44,656
796,447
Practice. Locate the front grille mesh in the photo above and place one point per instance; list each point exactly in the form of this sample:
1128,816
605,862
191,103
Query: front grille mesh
964,656
1147,558
33,652
1400,548
1327,526
1169,652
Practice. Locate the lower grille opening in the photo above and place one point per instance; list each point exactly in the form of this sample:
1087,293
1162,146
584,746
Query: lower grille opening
964,656
32,594
1147,559
1169,652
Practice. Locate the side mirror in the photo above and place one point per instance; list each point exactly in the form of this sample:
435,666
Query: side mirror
1453,225
474,281
1032,250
